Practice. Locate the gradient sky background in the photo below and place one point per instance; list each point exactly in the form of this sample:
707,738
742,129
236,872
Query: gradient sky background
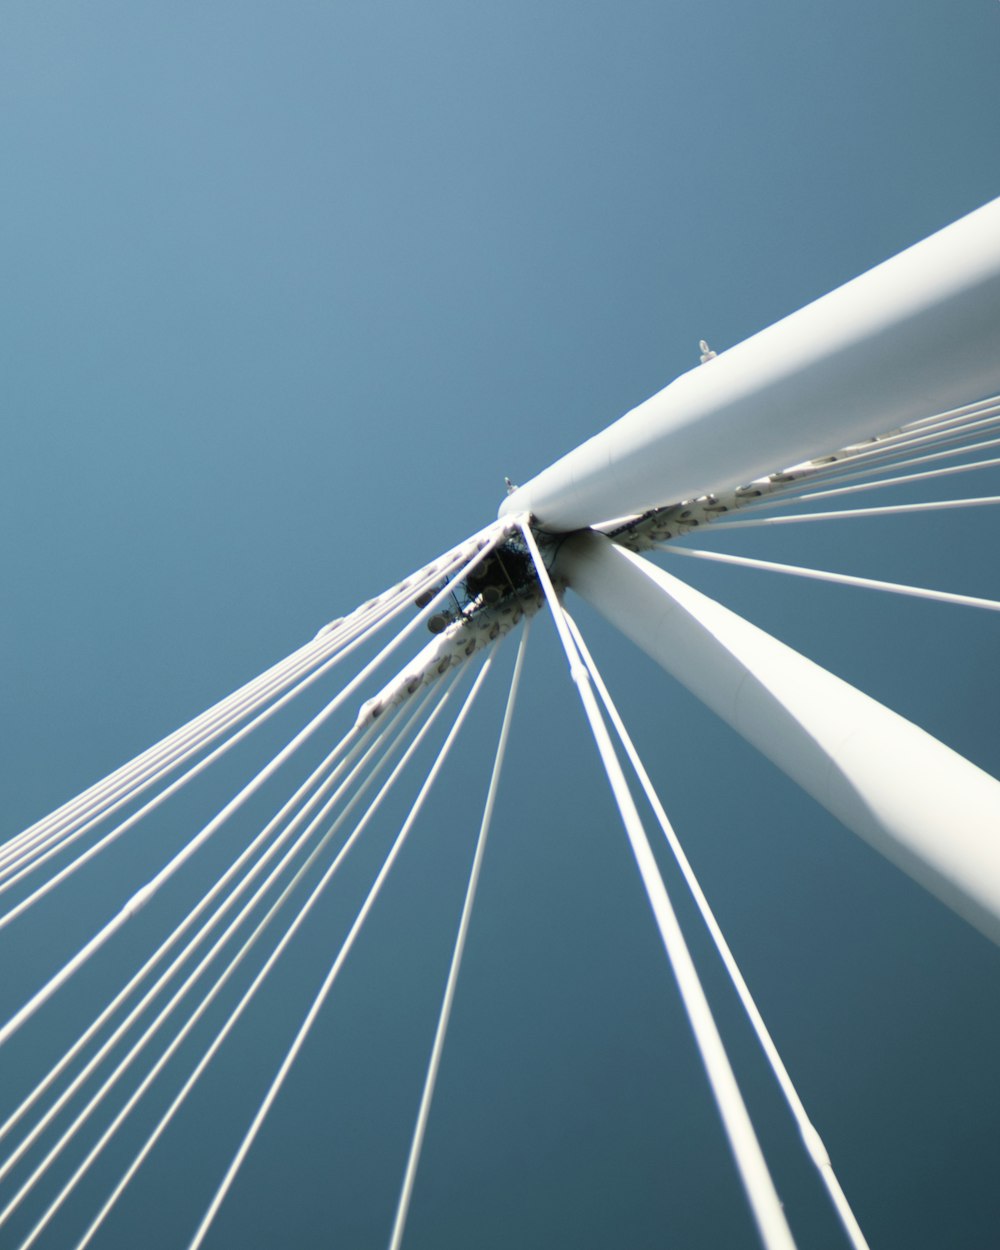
287,289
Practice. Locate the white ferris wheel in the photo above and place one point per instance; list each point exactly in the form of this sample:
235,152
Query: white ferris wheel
865,405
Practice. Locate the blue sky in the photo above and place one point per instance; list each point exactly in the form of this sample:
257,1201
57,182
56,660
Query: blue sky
287,290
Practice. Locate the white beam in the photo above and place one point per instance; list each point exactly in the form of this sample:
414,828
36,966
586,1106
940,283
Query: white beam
919,803
916,335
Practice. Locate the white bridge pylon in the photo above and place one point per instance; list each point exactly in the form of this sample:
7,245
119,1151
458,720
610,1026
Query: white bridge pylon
922,805
906,357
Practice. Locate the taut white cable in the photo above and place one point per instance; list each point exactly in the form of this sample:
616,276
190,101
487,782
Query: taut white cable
125,781
272,958
966,410
847,513
810,1137
153,803
905,441
494,533
783,487
975,418
380,608
203,932
757,1183
338,963
199,1011
423,1113
840,579
142,896
123,786
810,481
97,795
927,475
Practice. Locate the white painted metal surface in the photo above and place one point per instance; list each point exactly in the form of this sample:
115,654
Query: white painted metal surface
917,334
923,806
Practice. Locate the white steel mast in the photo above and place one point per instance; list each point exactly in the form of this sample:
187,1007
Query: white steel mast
916,335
